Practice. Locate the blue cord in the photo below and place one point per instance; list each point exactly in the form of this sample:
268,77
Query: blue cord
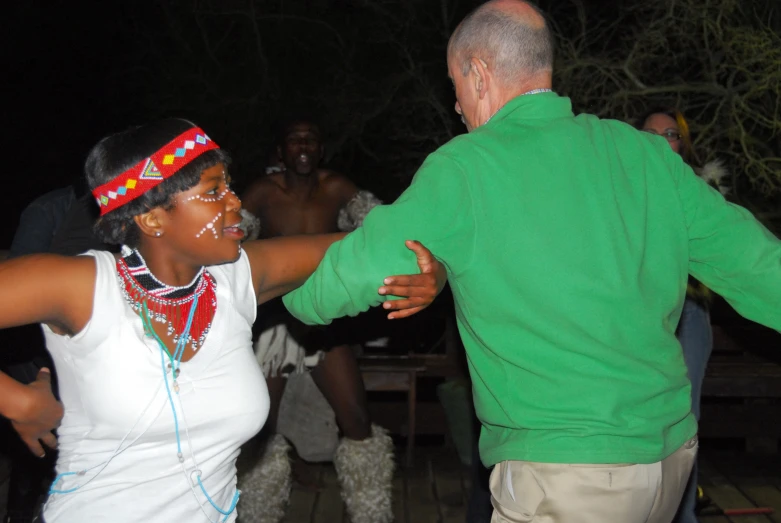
178,353
175,363
52,490
230,509
171,402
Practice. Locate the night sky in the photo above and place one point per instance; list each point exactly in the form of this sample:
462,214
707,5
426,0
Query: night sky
76,71
59,94
373,72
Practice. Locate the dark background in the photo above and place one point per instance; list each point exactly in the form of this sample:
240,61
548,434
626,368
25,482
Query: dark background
76,71
374,73
62,62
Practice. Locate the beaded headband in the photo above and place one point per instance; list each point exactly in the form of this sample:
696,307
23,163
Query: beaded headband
150,172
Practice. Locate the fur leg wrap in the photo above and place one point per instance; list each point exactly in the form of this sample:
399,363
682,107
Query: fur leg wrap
265,488
365,472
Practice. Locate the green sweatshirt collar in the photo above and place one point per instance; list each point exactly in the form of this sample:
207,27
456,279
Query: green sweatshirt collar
534,107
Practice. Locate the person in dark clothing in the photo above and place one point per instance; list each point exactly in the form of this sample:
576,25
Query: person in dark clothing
59,222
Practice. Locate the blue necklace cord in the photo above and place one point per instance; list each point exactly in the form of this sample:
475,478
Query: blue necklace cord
175,362
52,490
229,510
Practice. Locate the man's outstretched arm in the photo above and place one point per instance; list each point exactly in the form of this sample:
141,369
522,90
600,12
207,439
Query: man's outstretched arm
436,210
730,251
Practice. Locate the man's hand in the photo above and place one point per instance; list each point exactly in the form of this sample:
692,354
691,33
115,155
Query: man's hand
419,290
40,415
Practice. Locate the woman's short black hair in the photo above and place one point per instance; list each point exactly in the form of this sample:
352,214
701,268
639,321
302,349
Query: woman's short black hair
118,152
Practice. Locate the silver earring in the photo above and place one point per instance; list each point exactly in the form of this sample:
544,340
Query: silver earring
158,233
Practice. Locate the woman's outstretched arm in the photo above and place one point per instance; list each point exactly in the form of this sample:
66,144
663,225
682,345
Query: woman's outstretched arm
49,289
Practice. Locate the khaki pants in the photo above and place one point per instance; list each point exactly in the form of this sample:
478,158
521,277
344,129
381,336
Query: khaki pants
523,491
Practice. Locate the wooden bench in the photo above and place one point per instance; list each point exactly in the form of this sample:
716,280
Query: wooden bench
741,394
395,374
741,397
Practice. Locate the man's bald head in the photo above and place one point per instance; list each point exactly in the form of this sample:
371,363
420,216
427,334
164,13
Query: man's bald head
511,36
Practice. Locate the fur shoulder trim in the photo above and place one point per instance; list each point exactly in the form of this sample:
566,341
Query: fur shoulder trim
714,172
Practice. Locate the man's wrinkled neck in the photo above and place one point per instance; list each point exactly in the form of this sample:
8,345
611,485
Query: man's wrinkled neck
503,95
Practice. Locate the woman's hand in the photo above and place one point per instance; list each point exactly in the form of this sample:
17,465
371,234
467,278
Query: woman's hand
419,290
38,415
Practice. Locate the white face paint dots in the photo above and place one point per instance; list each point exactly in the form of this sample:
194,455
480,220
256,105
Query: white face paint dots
210,199
210,227
207,198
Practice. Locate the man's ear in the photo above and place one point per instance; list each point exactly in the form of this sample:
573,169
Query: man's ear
480,76
150,223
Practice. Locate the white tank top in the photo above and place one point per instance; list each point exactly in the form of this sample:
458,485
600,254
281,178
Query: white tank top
111,386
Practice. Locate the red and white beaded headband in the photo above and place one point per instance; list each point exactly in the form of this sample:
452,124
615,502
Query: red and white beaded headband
150,172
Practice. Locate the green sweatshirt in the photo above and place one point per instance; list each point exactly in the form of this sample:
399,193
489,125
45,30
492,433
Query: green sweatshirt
567,241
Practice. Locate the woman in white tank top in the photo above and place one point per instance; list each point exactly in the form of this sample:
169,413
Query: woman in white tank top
153,350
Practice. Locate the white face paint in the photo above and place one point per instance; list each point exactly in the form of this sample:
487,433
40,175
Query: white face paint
211,199
210,227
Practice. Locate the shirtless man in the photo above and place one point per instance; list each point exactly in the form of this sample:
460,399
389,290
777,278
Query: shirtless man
302,198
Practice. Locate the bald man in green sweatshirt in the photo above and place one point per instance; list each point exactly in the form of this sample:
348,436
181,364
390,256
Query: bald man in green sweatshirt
568,241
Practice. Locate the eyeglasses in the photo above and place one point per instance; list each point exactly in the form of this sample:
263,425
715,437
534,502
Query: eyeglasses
670,136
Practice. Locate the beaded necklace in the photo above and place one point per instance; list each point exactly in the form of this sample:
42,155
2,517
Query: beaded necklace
154,300
167,304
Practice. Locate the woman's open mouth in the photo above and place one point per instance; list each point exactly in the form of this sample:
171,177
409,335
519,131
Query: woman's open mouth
233,232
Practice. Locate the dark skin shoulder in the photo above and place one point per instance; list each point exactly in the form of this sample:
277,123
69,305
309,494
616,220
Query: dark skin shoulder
289,206
339,186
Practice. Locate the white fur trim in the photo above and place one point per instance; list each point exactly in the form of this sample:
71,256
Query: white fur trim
250,224
714,173
265,488
365,472
351,215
